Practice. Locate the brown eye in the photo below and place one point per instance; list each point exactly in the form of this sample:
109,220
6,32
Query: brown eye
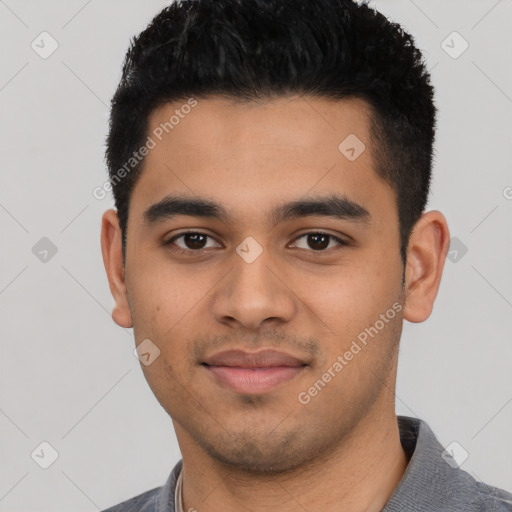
319,241
194,240
191,242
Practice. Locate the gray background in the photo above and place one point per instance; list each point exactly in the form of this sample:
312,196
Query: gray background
68,374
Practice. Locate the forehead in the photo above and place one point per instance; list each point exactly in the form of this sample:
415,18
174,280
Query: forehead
246,155
300,124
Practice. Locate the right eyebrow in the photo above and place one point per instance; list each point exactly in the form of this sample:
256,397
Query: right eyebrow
171,206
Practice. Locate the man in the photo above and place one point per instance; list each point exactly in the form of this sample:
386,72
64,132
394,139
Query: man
270,163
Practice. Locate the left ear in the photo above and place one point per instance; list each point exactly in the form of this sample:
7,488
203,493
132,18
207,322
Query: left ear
426,254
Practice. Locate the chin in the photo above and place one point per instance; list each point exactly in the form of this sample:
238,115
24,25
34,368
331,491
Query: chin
262,456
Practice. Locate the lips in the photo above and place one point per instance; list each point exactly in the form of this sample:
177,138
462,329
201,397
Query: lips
253,373
262,359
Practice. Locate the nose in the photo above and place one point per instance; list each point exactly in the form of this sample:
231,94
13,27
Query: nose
254,294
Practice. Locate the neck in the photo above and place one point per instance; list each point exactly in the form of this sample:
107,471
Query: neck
358,476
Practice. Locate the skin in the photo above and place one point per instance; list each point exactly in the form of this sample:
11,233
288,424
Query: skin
340,451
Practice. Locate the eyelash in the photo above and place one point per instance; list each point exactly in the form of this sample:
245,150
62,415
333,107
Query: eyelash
193,252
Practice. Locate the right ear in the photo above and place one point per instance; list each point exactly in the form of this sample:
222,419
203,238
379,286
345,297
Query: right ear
112,251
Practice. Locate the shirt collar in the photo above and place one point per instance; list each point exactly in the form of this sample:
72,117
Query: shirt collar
432,481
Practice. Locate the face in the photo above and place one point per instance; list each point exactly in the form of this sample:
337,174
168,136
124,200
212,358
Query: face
317,284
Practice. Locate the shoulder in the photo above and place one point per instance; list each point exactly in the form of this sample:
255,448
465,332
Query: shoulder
145,502
159,499
493,498
434,481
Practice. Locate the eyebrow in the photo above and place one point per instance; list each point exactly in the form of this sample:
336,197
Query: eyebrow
335,206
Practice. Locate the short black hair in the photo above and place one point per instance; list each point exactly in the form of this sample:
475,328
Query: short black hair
262,49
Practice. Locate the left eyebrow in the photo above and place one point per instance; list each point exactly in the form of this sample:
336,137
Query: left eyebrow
335,206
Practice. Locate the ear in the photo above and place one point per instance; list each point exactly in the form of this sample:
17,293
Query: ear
111,248
426,254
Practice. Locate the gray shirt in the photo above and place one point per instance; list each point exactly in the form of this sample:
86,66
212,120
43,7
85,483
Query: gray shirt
432,482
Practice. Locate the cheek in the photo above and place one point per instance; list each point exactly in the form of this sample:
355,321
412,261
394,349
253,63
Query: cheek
345,298
159,302
164,312
351,299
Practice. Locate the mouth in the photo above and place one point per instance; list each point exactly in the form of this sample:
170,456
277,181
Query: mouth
253,373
